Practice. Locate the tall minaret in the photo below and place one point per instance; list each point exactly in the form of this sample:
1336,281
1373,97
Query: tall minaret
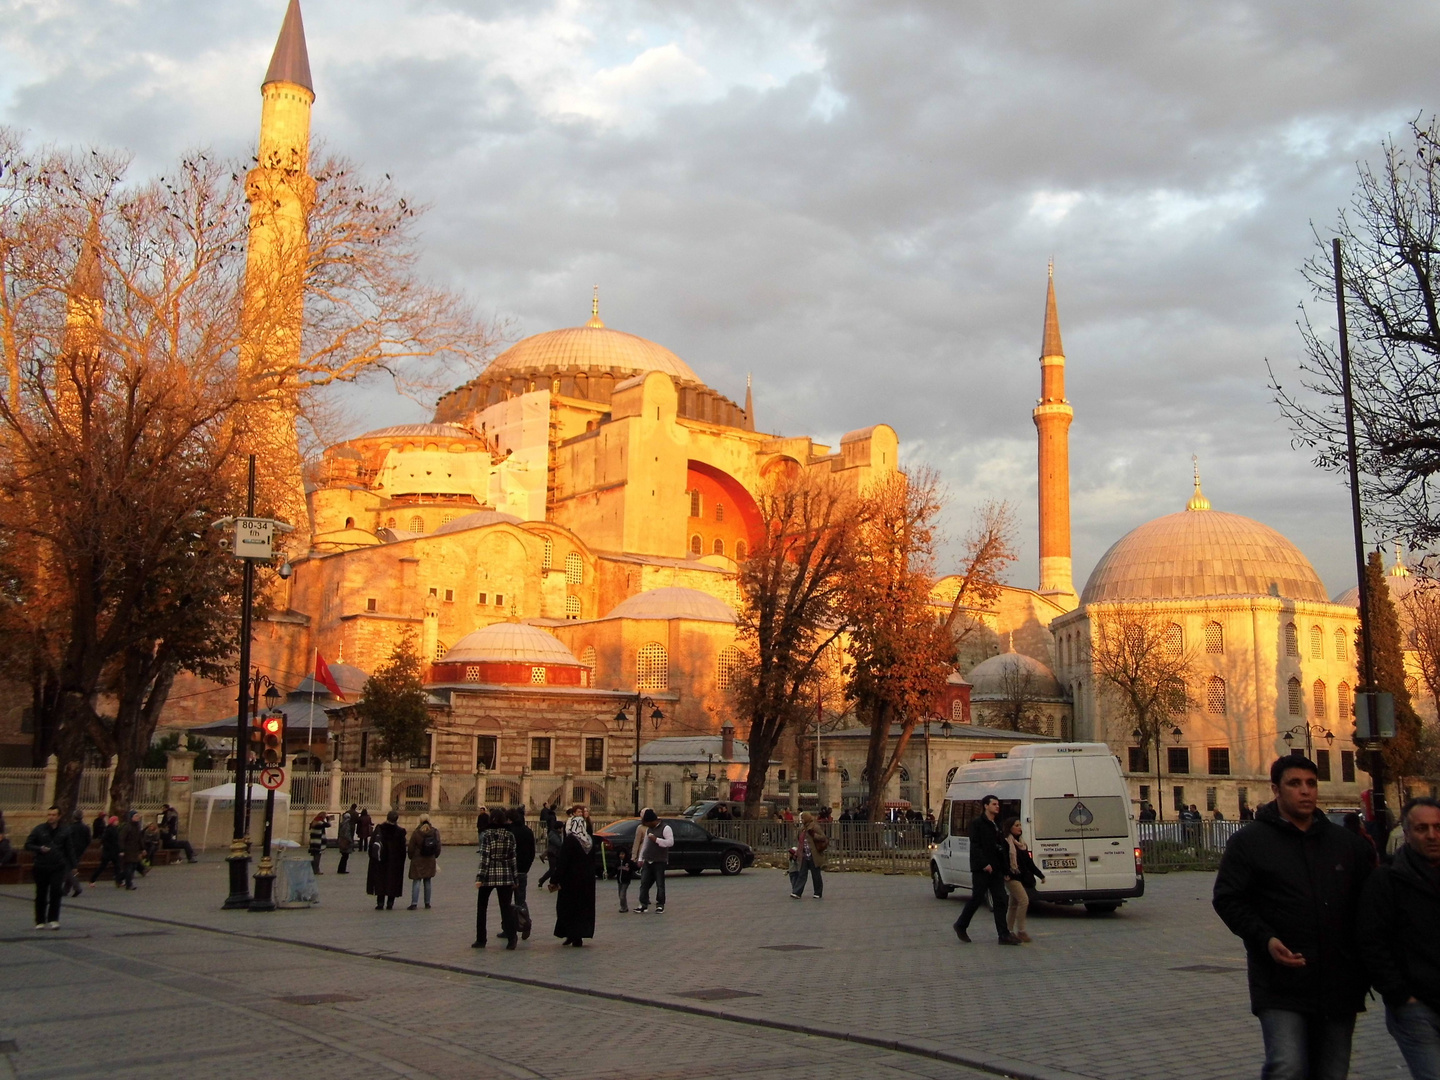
280,192
1052,417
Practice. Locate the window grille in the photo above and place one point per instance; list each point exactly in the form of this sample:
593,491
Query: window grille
1215,696
727,667
1214,638
574,568
719,511
537,675
417,524
1174,639
1322,764
472,672
1343,702
696,546
588,658
652,667
1292,640
1317,643
1139,759
719,547
572,607
539,755
547,555
594,755
1318,699
957,710
1341,646
447,519
1219,761
1177,759
694,502
1294,688
740,551
440,650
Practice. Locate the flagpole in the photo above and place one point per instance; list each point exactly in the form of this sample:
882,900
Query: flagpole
314,670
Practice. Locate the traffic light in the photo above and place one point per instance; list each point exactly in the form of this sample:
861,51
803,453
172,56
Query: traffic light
272,752
257,734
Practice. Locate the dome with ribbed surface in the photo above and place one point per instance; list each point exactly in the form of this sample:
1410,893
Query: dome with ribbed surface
674,602
589,348
476,520
510,643
1202,552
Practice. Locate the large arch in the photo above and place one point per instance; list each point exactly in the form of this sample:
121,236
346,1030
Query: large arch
740,519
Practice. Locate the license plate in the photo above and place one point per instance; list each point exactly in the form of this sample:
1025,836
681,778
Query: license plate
1057,864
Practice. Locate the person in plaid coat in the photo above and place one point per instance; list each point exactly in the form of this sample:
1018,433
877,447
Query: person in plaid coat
496,874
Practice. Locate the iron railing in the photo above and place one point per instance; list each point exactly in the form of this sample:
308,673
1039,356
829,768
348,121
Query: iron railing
1184,845
891,846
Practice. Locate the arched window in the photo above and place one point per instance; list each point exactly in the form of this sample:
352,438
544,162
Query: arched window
1317,643
726,666
574,568
652,667
390,523
417,524
1294,696
447,519
1412,687
588,659
547,556
957,713
740,551
1317,697
719,511
696,545
1215,696
440,650
572,607
1214,638
719,546
1341,648
1292,640
694,502
349,523
1174,639
1342,701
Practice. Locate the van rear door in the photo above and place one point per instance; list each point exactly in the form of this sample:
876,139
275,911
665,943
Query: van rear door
1056,847
1109,850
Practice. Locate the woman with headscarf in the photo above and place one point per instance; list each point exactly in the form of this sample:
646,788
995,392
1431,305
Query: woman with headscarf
572,874
386,877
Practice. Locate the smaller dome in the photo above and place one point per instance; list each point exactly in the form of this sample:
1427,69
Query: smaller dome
510,643
400,431
476,520
674,602
989,677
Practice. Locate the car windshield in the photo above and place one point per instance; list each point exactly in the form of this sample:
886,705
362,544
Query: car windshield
695,808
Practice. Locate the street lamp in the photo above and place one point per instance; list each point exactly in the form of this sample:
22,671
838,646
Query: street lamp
1307,730
622,720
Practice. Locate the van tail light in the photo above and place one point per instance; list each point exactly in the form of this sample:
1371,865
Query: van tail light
1139,863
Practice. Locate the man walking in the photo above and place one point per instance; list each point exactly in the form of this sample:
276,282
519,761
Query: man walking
496,874
110,852
47,843
1399,919
346,834
654,858
1289,886
988,859
524,859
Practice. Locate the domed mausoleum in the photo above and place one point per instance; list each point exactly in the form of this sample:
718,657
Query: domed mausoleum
1013,691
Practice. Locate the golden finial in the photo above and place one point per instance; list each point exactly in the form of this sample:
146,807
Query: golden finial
1399,569
1198,501
595,323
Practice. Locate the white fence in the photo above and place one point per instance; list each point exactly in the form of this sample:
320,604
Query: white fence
22,789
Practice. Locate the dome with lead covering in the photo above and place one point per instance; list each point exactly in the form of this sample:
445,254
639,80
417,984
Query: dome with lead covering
674,602
510,643
476,520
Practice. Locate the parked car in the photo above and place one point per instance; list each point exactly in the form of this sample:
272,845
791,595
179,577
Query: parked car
695,850
724,809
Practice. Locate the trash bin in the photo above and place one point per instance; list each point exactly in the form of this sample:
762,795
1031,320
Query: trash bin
294,876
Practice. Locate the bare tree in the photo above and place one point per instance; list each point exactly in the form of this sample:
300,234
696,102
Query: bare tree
1144,667
1422,611
988,551
1019,702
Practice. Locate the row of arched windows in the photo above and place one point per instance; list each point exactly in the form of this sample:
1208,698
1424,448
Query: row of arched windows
697,508
717,547
1340,639
1295,697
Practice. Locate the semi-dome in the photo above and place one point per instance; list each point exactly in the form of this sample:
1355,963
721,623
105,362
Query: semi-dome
589,348
475,520
510,643
1202,552
674,602
994,679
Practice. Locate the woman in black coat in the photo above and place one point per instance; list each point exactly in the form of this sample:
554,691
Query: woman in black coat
572,873
385,879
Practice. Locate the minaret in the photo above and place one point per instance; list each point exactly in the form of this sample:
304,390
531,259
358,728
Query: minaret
84,324
749,405
1052,417
281,192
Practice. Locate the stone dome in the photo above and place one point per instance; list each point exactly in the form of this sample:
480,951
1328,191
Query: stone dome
1202,552
475,520
510,643
589,348
674,602
987,679
400,431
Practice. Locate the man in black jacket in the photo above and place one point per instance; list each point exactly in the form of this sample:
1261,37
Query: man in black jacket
988,860
47,844
1289,886
1400,938
524,859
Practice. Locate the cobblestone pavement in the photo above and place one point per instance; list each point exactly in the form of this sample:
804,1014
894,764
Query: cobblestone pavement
868,982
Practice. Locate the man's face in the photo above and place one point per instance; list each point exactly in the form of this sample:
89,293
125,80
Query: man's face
1422,832
992,808
1296,793
52,817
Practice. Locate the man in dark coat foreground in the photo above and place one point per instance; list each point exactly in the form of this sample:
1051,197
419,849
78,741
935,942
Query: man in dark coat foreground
1289,886
385,879
989,859
1400,938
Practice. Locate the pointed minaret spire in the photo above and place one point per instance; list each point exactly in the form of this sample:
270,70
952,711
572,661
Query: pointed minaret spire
595,322
290,62
1399,569
1198,501
1052,416
749,405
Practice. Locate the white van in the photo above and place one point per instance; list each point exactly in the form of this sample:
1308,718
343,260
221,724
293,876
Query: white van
1075,808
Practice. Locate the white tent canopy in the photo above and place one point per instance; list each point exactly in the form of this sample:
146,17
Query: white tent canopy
223,798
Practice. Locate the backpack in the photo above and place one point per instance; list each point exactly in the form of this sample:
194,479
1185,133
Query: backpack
377,849
819,841
430,844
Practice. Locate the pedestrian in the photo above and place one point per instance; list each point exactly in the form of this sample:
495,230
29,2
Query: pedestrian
572,874
627,869
1147,812
1288,886
1020,879
496,874
47,844
554,837
989,856
97,830
110,852
424,853
364,829
1351,821
524,859
1399,915
132,849
548,817
346,835
385,879
77,842
170,830
654,857
810,848
318,824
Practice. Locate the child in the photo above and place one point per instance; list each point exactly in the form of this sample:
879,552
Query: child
794,871
628,872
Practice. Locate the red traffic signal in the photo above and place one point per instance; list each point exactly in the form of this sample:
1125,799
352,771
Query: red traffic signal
257,734
272,750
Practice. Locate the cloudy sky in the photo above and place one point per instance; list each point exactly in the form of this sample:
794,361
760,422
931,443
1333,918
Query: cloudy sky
853,201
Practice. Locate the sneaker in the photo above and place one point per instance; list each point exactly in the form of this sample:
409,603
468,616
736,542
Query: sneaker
641,911
40,925
53,926
817,896
795,896
659,908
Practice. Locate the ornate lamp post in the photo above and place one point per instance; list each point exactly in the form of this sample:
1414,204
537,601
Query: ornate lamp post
622,721
1307,730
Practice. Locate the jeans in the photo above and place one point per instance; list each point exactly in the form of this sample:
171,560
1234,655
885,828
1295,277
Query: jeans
47,895
981,883
315,860
415,890
505,895
174,843
112,861
1416,1030
344,862
797,880
127,873
1306,1046
622,881
652,874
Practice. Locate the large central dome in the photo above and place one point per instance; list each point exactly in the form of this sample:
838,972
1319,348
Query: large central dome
1202,552
589,348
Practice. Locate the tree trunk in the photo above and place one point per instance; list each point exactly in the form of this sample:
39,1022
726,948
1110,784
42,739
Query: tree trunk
764,736
875,762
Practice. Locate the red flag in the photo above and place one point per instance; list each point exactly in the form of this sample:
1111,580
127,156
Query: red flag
322,674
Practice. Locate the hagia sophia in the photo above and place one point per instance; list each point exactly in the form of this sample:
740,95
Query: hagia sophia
564,536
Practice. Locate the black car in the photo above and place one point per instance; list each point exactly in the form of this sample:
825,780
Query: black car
695,850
